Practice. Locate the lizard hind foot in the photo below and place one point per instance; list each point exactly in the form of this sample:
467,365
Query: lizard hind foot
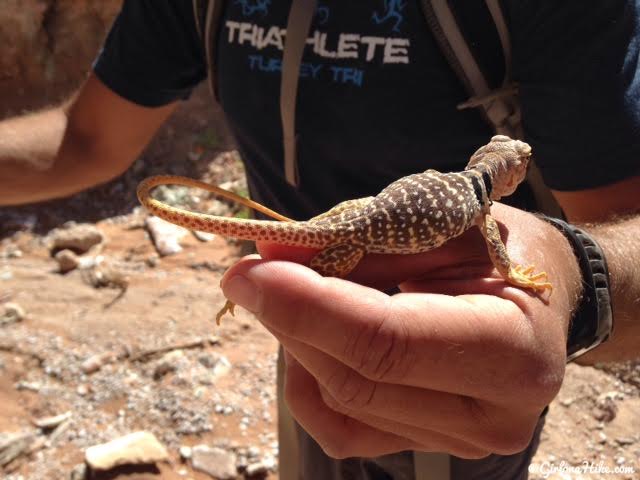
228,307
525,278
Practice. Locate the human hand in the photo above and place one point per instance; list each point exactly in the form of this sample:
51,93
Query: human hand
459,362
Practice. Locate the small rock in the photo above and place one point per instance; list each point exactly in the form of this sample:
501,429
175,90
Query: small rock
222,367
166,236
606,409
255,469
152,260
136,448
169,363
214,461
97,361
6,274
29,386
185,452
79,238
51,422
204,236
82,390
12,251
566,402
13,313
79,472
622,441
67,260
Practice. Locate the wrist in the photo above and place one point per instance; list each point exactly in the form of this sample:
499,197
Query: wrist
592,319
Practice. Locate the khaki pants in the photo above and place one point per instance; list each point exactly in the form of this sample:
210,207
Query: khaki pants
302,459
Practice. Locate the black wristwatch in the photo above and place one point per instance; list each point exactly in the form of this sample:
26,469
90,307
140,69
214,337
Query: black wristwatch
592,322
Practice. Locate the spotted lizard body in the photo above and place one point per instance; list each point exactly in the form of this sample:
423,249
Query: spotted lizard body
414,214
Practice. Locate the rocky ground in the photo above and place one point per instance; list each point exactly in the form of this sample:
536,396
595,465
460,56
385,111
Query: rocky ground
101,337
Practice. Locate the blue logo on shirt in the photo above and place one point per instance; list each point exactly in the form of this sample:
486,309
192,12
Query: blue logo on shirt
392,11
322,13
257,6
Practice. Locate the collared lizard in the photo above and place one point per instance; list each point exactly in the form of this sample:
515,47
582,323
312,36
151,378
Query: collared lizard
414,214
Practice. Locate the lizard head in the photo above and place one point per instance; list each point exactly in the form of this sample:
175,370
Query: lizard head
504,161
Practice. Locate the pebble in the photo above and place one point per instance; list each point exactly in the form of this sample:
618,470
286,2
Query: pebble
257,468
51,422
97,361
185,452
213,461
204,236
67,260
136,448
79,238
152,260
166,236
12,251
79,472
6,274
13,313
625,441
566,402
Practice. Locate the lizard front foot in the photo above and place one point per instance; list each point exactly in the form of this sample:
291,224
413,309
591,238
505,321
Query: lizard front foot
228,307
524,277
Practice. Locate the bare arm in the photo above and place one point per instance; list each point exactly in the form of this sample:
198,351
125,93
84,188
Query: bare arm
90,140
610,214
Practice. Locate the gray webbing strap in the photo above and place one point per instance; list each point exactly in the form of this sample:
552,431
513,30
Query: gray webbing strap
497,112
214,8
298,25
544,198
500,107
503,33
196,16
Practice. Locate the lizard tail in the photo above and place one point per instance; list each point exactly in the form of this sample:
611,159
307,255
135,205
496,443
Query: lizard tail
286,231
145,187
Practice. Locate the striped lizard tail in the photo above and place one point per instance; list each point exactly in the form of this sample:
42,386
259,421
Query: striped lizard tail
286,231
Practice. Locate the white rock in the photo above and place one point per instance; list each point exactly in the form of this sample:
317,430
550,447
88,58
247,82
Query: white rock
51,422
214,461
254,469
135,448
204,236
166,236
185,452
78,238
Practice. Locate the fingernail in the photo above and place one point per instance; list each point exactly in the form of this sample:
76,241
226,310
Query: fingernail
244,292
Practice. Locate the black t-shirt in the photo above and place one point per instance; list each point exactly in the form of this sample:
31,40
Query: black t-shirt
377,99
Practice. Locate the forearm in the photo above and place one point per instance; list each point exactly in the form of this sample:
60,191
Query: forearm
31,164
21,183
33,139
619,240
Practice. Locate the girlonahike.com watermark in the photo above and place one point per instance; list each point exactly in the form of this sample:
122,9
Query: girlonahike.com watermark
546,469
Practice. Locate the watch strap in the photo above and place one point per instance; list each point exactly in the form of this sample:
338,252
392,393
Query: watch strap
592,323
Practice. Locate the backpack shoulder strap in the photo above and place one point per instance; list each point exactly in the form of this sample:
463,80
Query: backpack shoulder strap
207,15
499,104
